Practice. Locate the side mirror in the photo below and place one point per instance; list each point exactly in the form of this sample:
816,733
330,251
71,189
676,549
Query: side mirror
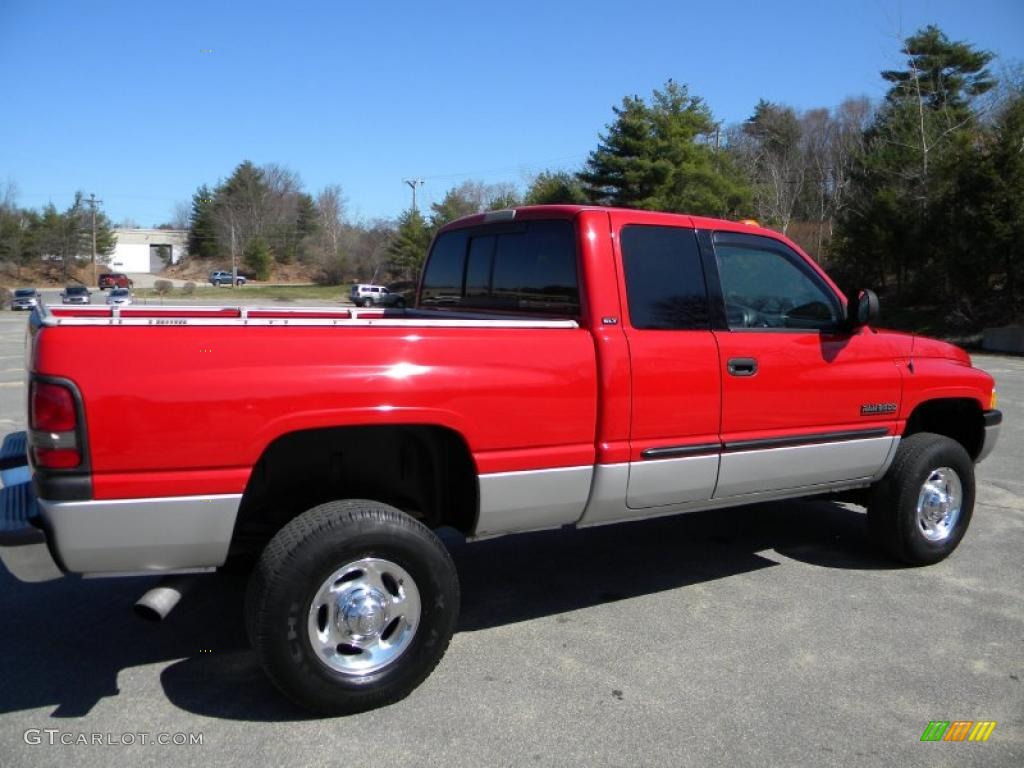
863,309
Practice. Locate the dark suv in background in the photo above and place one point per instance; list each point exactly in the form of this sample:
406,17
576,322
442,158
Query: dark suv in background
75,294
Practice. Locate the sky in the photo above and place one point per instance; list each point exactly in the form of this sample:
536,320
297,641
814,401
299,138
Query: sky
141,103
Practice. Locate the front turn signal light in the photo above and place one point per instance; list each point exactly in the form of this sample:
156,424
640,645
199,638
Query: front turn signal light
994,402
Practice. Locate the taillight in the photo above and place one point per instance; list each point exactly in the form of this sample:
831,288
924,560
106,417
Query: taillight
57,458
53,422
53,408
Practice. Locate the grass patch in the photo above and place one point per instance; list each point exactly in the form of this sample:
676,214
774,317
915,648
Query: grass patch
285,293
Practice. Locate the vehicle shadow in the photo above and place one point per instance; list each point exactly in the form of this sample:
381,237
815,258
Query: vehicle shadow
67,641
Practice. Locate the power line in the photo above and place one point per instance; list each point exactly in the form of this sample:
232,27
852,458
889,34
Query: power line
508,168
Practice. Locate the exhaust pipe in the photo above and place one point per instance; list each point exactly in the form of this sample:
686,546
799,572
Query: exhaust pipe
161,599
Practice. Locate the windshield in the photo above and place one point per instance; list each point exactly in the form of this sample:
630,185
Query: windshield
75,290
119,292
25,292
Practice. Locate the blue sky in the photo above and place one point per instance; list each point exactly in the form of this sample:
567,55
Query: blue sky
142,102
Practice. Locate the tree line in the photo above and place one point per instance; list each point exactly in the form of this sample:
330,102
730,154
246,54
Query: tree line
919,196
28,236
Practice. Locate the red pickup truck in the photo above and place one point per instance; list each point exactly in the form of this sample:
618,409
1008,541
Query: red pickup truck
561,366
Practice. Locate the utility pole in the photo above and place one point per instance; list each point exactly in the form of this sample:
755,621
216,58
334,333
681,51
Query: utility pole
413,183
234,259
92,203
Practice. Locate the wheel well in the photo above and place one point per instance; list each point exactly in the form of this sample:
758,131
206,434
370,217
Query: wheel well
958,418
425,471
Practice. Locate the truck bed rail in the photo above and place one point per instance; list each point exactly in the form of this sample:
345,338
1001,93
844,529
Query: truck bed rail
291,316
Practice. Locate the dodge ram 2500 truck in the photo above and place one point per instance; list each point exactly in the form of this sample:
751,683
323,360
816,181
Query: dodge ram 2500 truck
561,366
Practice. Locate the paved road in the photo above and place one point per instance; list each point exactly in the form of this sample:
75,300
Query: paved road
770,635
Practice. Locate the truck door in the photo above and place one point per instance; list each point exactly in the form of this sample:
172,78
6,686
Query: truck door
805,402
676,388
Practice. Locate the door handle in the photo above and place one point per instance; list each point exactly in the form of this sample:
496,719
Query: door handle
742,366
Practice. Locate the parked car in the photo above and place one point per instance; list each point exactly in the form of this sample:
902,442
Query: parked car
366,295
114,280
75,294
401,294
120,297
580,366
25,298
223,277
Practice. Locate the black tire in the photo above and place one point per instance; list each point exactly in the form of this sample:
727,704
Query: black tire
295,565
893,520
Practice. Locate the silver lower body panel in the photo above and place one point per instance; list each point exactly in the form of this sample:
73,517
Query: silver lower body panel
525,501
141,535
778,469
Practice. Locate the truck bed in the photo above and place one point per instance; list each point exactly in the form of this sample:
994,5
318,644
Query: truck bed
185,400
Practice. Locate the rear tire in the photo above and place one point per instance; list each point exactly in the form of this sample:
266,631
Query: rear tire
919,512
351,606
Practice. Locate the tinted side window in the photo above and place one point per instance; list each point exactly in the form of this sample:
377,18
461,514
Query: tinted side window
766,285
525,267
478,269
442,281
664,278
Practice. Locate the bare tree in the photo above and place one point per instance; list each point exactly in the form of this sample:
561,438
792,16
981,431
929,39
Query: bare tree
180,215
330,205
768,146
9,198
281,202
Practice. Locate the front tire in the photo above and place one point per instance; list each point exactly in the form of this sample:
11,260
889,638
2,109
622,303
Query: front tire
919,512
351,606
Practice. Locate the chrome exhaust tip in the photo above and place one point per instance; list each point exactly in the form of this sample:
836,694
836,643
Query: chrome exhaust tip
161,599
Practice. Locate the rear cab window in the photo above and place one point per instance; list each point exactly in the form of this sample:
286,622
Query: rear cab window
665,286
527,267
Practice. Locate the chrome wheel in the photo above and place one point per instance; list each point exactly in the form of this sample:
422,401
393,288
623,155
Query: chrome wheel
939,503
364,616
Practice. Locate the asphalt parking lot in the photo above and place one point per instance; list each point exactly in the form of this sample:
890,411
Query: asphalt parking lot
769,635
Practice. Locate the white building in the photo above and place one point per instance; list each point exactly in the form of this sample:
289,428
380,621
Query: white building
139,250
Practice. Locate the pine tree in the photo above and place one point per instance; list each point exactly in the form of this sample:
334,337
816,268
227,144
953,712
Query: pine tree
202,225
896,223
409,247
257,257
307,224
660,156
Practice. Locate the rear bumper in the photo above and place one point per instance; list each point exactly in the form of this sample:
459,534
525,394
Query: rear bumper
993,421
24,548
41,539
152,535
